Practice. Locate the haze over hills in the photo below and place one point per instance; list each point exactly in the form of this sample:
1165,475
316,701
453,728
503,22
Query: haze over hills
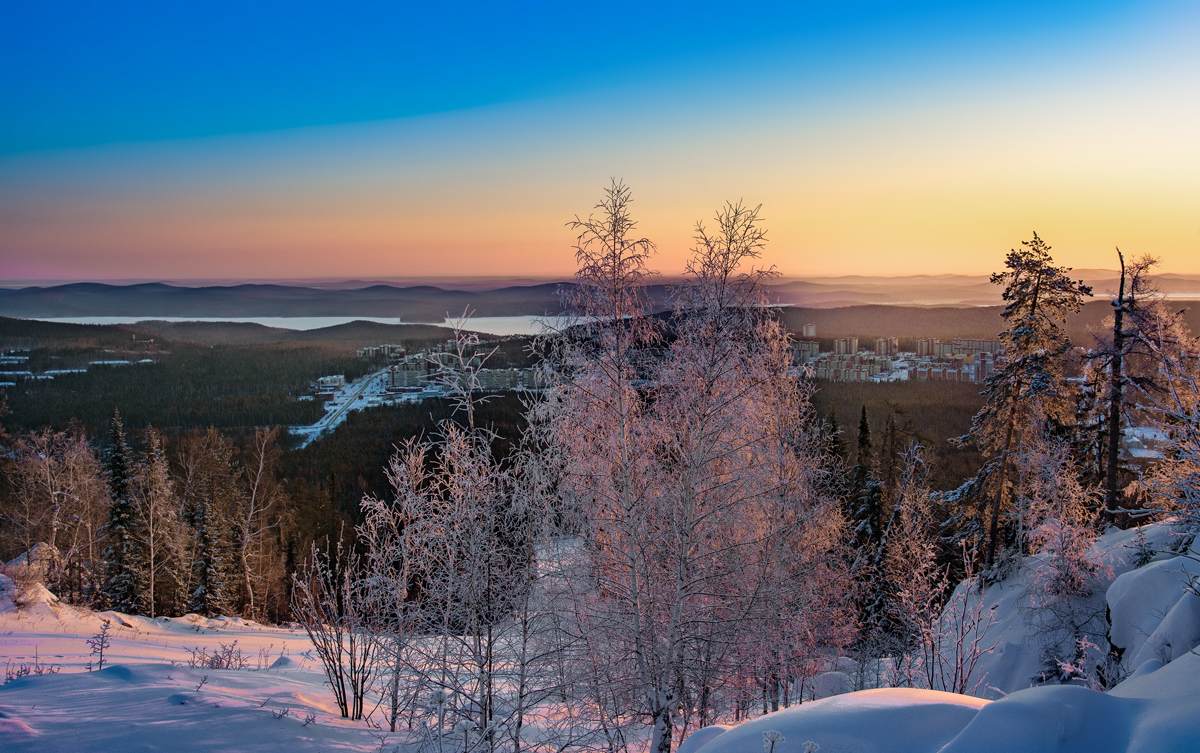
434,303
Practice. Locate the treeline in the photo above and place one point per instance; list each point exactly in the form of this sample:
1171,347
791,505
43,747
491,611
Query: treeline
158,497
205,527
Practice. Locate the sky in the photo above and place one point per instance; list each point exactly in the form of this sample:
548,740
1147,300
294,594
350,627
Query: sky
266,140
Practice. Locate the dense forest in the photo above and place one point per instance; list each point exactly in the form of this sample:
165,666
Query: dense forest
181,386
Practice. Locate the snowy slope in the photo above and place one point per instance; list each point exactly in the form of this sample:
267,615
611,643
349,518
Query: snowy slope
1155,618
148,699
1016,660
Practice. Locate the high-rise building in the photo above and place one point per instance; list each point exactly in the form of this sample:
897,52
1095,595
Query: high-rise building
810,330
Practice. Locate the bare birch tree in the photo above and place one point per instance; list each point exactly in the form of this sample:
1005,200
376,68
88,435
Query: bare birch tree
455,567
685,460
263,496
59,497
156,503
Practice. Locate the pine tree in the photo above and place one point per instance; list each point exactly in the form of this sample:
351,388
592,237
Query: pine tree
1029,385
126,568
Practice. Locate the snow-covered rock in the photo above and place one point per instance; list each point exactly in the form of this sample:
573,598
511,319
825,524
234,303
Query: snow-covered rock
1154,615
699,738
1151,591
890,720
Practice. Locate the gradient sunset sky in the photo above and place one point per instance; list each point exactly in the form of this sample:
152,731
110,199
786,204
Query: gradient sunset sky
257,140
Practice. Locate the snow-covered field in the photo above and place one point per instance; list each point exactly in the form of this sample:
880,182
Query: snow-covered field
148,698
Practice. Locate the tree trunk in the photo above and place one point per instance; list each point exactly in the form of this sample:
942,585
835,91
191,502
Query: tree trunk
661,714
1116,398
994,528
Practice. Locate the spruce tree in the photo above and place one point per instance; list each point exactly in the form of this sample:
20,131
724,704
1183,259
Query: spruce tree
210,567
865,510
890,463
125,574
834,444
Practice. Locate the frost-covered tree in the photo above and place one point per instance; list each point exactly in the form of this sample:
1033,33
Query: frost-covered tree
329,600
694,479
941,634
210,497
255,516
1065,568
451,558
158,510
1129,370
1174,407
59,496
1038,296
126,573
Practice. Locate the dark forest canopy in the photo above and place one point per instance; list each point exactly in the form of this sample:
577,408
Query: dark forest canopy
946,322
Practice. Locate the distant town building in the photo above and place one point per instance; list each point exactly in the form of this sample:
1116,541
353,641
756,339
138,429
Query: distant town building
845,346
804,351
411,374
330,384
852,368
810,330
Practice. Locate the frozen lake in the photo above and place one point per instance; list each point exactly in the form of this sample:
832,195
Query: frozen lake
493,325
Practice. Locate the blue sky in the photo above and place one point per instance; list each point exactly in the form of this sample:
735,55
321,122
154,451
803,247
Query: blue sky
258,140
92,73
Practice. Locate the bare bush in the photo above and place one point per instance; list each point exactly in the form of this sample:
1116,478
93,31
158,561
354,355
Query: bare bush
27,669
329,602
228,656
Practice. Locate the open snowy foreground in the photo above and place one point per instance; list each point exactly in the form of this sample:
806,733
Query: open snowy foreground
148,698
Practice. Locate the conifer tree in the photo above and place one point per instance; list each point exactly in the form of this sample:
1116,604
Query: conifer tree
835,445
1140,322
890,462
126,568
865,511
1029,385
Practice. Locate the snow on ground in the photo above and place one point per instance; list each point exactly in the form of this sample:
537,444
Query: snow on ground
1017,659
148,699
1155,619
887,720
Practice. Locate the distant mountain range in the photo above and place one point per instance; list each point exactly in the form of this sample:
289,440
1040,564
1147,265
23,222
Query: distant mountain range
433,304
